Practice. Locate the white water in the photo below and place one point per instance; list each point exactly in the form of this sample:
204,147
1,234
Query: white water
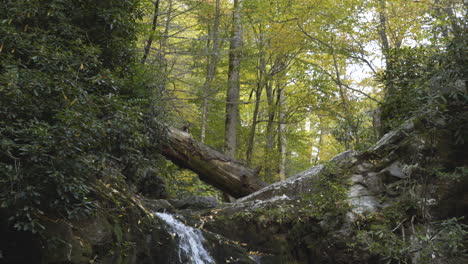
190,241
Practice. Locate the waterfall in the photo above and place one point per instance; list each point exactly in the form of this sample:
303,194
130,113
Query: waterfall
191,249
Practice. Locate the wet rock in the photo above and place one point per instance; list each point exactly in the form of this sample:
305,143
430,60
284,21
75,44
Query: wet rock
195,202
159,205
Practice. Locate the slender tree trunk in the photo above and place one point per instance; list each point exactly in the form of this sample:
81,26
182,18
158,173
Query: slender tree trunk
261,71
383,30
212,60
319,148
163,42
253,127
270,131
344,101
282,140
153,30
233,91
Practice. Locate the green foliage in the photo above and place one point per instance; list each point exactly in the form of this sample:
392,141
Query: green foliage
329,199
406,80
66,109
356,129
403,232
429,81
327,202
457,175
387,239
182,182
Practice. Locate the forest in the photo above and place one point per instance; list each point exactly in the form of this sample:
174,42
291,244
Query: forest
233,131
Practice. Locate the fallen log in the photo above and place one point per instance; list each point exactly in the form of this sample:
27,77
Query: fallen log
213,167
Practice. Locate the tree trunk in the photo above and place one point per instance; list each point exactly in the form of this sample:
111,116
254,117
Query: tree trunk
213,167
212,59
261,79
282,140
153,29
253,127
270,132
344,101
233,90
163,42
319,148
383,29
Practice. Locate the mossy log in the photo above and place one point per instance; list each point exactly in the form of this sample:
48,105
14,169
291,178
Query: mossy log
213,167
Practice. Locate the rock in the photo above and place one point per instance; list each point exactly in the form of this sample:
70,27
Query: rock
392,173
225,251
392,138
195,202
396,170
344,158
364,167
361,200
96,230
152,186
299,183
159,205
69,247
357,178
374,183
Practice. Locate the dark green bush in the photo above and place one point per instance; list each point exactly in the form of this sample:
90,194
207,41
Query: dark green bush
67,109
427,80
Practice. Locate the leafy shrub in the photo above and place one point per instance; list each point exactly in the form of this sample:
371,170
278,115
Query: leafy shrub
67,110
428,80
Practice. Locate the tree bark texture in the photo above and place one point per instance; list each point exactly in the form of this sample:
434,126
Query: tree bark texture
282,140
212,60
233,90
213,167
261,78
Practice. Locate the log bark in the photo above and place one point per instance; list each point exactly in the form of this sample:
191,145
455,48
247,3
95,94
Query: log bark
213,167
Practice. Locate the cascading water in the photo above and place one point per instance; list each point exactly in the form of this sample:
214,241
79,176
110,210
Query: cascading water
191,249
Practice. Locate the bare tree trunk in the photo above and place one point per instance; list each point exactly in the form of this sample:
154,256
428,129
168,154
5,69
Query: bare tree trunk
282,140
319,148
383,29
344,101
253,127
163,42
212,60
270,132
213,167
233,91
153,29
261,78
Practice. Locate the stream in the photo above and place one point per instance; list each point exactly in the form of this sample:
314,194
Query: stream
191,249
